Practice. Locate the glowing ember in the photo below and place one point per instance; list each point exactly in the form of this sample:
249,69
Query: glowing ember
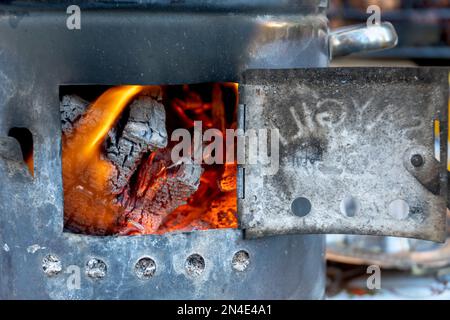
155,200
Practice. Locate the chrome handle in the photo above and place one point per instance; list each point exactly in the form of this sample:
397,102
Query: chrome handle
362,38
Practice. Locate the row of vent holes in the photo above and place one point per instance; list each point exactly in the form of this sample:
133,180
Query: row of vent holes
145,268
25,139
398,209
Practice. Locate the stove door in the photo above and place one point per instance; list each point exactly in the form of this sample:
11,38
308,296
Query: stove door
344,150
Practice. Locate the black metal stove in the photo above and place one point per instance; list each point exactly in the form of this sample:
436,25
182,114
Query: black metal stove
163,43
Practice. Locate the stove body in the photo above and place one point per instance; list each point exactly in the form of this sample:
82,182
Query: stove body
159,44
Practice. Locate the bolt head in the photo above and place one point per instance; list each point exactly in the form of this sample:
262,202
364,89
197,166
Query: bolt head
417,160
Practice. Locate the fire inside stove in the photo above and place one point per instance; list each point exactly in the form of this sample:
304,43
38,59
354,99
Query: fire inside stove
148,159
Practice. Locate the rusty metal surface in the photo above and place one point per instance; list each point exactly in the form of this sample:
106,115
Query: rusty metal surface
346,141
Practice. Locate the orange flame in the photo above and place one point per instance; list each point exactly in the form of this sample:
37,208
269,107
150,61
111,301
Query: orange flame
85,172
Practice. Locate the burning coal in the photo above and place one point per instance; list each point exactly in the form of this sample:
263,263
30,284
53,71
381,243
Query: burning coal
118,174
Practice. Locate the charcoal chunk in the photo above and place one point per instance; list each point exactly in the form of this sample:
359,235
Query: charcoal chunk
72,107
144,131
162,187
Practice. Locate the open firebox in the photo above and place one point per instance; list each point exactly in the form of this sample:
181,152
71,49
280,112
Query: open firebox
198,149
124,171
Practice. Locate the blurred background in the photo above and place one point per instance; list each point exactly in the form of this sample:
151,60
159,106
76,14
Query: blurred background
410,269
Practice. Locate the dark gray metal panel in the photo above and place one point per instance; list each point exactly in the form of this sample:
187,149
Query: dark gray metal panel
37,54
344,133
280,268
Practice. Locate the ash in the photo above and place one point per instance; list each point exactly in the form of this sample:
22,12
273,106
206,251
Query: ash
51,265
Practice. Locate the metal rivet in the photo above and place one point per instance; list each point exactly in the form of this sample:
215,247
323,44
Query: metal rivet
241,260
417,160
96,268
301,206
51,265
399,209
349,206
195,265
145,268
